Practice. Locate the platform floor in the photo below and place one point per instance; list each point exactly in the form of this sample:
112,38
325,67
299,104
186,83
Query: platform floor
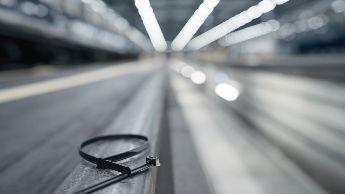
40,132
205,147
235,158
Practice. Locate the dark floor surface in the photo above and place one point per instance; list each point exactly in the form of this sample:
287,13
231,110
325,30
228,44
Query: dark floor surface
40,134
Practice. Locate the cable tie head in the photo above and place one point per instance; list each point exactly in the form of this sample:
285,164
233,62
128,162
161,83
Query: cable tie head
152,161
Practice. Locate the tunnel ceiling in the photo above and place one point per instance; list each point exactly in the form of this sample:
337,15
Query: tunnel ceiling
173,14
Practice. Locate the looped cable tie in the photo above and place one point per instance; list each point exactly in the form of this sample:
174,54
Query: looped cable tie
110,162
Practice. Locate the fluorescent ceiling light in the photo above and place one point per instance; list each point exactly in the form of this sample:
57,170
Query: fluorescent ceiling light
266,6
193,24
338,6
151,24
234,23
123,27
279,2
250,33
119,24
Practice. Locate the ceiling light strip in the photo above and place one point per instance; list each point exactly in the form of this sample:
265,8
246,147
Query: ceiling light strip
250,33
124,28
234,23
193,24
151,24
117,23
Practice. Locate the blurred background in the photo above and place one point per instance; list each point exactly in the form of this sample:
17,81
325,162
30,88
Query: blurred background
238,96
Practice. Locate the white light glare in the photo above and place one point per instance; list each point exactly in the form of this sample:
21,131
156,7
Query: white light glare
99,6
151,24
122,26
338,6
279,2
198,77
193,24
250,33
234,23
266,6
227,91
187,71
